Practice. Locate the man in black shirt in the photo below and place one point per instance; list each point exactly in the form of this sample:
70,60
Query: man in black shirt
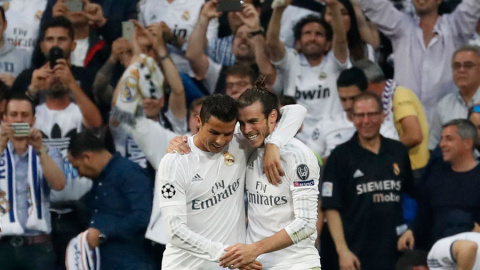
361,191
450,184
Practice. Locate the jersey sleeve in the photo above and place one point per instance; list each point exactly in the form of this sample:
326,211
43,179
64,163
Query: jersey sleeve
303,174
440,256
333,181
171,187
403,104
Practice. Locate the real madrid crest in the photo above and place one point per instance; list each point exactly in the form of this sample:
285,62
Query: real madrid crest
186,15
322,75
229,158
129,90
38,14
396,169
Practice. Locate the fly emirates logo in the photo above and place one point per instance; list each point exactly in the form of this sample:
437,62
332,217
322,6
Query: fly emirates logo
220,192
383,191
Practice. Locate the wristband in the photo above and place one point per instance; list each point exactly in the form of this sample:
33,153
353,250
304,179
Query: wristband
161,58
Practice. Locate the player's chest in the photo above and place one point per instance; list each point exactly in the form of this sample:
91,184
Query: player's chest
257,183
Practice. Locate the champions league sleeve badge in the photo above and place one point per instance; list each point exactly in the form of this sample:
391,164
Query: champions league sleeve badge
168,191
229,158
303,172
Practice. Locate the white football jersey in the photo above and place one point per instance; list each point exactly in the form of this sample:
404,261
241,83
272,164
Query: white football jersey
333,130
211,185
272,208
440,256
181,16
313,87
23,17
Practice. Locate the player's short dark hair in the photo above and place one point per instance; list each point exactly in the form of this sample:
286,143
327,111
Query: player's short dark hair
58,21
297,29
241,70
2,11
410,259
367,95
85,141
220,106
353,76
21,97
260,93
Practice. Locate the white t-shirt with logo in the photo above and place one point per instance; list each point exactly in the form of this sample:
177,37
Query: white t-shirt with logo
181,16
58,127
313,87
274,208
23,17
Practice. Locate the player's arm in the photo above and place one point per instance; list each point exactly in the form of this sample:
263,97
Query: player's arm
339,42
286,129
171,191
305,199
196,43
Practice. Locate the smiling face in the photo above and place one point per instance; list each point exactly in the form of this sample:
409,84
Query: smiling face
452,145
214,135
367,118
253,124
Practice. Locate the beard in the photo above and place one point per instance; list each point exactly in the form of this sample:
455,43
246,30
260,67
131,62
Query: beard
57,89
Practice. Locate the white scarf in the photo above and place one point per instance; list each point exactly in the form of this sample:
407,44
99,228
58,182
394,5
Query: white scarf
142,79
79,256
36,212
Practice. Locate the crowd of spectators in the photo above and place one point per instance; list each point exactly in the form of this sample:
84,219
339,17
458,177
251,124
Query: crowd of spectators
391,89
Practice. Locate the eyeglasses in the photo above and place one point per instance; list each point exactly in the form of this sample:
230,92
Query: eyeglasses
466,65
369,115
